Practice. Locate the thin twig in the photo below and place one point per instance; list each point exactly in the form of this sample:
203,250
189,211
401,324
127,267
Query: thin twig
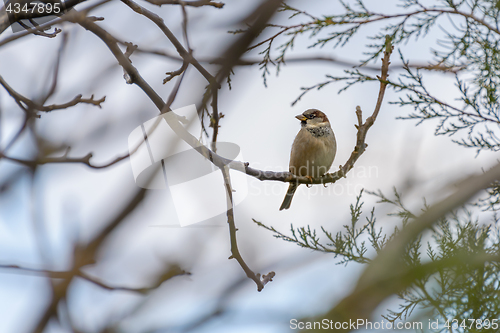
363,128
171,37
214,121
235,253
248,61
197,3
28,103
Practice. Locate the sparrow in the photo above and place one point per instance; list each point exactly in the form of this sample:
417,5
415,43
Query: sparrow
313,150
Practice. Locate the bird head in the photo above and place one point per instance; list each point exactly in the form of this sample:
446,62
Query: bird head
313,118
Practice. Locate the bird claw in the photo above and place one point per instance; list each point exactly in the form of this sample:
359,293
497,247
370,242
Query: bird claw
311,180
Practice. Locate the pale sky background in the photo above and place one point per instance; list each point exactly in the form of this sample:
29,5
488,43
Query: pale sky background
74,201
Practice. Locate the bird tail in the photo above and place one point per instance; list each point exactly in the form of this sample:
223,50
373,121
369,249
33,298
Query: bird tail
289,196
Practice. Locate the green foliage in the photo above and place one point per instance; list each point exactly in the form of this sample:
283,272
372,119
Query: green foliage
492,200
462,291
347,245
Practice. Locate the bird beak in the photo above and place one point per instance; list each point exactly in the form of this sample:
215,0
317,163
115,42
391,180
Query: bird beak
301,117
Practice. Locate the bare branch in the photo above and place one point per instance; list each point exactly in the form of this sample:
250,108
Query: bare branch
235,253
197,3
178,46
171,75
29,104
248,61
170,272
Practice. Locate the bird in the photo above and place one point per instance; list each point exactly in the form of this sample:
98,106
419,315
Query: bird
313,150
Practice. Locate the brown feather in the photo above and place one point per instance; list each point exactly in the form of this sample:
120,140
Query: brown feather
313,150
